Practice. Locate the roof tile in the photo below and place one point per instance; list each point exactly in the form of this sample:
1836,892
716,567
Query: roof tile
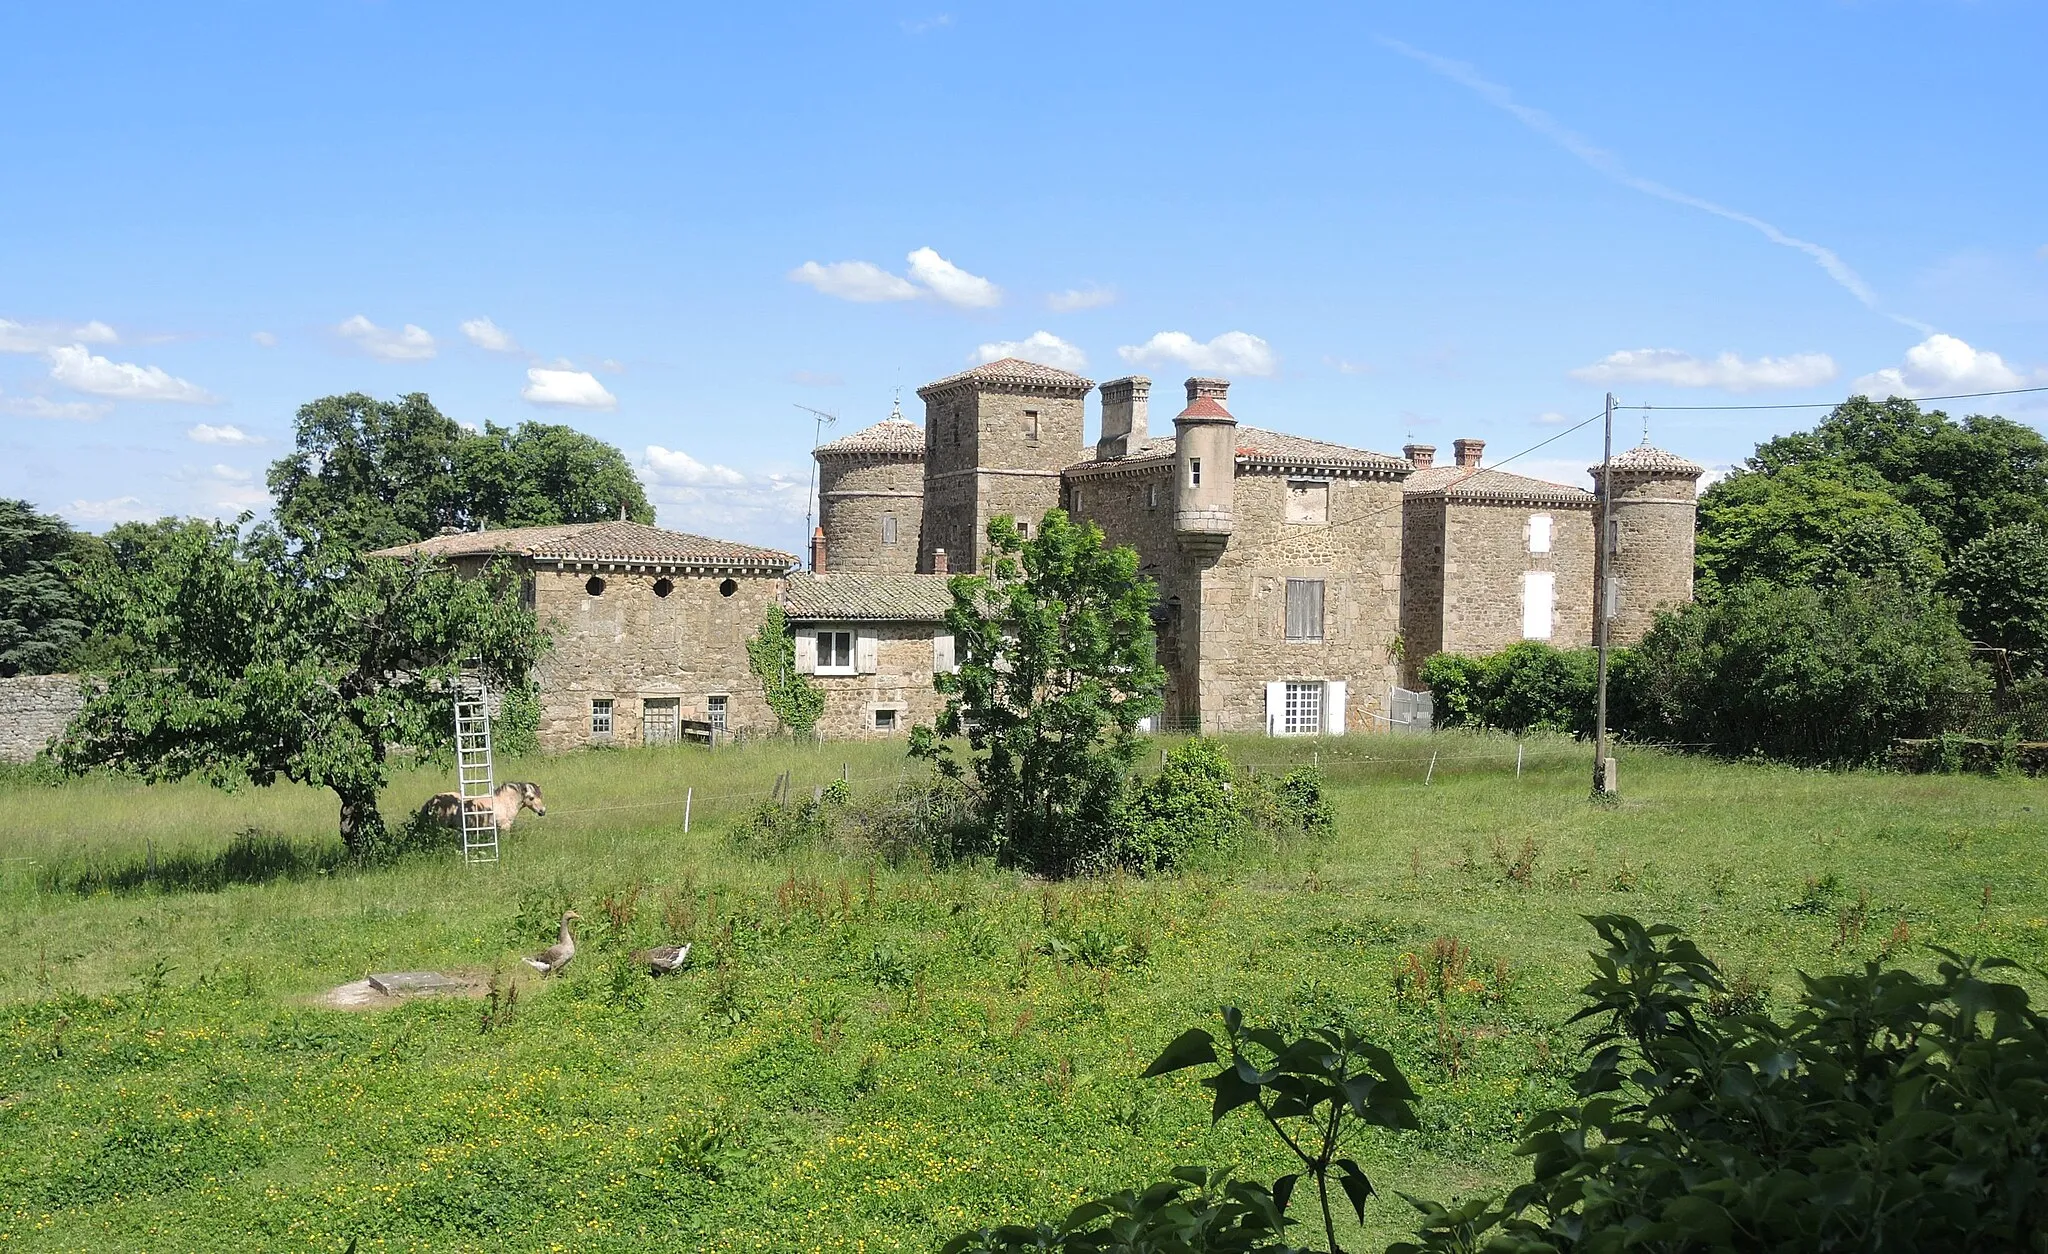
853,597
1013,371
618,541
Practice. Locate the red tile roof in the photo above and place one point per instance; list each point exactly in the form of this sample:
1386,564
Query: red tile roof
629,543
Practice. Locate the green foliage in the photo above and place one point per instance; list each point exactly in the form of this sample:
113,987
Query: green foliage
369,474
1528,686
796,702
101,576
252,660
1889,1111
1189,807
1808,675
40,619
1194,1211
2000,585
1811,523
1055,670
516,730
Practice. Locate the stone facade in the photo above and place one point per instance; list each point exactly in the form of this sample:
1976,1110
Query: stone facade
1646,563
34,710
871,498
884,639
997,438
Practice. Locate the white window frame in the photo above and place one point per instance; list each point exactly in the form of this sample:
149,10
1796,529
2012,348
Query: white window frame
1194,472
1540,528
603,717
833,645
718,711
1301,713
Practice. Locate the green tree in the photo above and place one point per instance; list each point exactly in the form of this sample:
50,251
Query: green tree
542,473
1056,668
100,578
255,659
40,621
368,474
1810,523
796,702
2000,584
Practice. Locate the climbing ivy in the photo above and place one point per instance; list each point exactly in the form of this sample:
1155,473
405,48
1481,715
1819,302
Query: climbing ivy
771,655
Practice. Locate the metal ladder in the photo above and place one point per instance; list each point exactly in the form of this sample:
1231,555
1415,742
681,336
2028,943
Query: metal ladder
473,776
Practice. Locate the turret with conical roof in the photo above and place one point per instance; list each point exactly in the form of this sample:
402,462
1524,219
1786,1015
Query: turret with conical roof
1644,560
871,497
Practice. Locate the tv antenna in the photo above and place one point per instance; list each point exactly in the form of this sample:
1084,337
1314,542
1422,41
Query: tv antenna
821,420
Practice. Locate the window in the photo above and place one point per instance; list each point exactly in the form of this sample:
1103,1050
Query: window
663,586
953,431
1151,496
1304,611
714,710
885,720
1023,530
1031,425
727,588
594,586
1308,501
1539,597
661,721
1613,597
1194,472
835,653
888,529
601,716
1303,713
1613,536
1077,501
1539,533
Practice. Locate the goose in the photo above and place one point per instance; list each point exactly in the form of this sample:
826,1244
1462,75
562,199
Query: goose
556,956
663,959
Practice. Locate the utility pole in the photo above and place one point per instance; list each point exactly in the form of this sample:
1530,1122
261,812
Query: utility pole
823,420
1603,607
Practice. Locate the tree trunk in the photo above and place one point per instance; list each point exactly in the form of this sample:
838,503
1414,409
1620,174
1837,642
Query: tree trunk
362,825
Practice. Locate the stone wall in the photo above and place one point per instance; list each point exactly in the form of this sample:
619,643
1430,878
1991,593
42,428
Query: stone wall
1486,553
1422,581
854,494
901,681
630,645
1651,549
34,710
982,459
1134,507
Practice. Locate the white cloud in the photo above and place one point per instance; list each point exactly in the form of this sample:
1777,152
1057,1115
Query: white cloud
41,337
861,281
410,343
232,475
1081,298
44,407
951,284
1344,365
488,335
1231,353
226,433
1042,347
675,468
113,510
1551,418
264,339
75,367
1727,371
571,389
1941,364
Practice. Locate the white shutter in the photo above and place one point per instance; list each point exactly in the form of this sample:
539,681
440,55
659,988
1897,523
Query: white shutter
1333,707
1539,598
806,650
1276,706
942,654
867,648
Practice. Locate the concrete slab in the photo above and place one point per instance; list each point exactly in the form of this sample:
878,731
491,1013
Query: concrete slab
420,984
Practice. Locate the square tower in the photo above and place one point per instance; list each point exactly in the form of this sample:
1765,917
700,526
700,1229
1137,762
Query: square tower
997,438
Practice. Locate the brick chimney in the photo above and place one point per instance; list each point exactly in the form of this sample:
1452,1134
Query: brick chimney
818,550
1421,456
938,561
1124,405
1467,453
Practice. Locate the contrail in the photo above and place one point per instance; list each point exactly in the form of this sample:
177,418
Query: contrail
1610,165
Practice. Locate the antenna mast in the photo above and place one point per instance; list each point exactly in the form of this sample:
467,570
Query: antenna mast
821,421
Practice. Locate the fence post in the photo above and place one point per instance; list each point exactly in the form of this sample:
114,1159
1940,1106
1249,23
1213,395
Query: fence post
689,795
842,772
1518,759
1426,775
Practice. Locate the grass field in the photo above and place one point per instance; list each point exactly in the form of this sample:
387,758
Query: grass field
860,1057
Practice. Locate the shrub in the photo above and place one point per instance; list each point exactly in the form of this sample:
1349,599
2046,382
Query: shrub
1528,686
931,820
1189,807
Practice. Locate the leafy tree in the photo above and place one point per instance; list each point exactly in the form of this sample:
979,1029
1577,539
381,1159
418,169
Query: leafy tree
1528,686
2000,583
1188,807
1828,675
100,575
796,702
368,474
39,614
253,659
1811,523
543,473
1056,668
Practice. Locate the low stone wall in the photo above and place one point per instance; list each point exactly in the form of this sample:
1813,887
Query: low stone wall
34,710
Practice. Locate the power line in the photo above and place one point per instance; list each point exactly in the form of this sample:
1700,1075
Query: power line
1388,509
1952,396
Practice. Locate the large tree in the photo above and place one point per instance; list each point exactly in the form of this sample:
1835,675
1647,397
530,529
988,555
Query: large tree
40,621
1056,668
368,474
1810,523
254,659
2000,584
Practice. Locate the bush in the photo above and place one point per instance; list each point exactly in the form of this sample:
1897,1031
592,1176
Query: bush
932,821
1189,807
1823,676
1528,686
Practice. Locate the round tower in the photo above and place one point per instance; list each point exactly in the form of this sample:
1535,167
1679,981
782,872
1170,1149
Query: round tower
1205,469
871,498
1643,562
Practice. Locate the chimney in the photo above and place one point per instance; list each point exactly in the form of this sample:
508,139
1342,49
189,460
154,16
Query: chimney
1421,456
1217,390
1205,470
1124,402
1467,452
818,550
938,561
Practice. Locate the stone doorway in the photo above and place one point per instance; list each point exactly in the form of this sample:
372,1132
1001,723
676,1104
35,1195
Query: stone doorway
661,720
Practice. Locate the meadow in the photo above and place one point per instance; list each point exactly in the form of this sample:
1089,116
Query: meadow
863,1056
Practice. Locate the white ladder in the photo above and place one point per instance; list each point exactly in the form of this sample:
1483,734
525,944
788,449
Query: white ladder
473,767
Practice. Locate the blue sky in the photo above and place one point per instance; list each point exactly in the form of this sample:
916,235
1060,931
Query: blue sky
669,226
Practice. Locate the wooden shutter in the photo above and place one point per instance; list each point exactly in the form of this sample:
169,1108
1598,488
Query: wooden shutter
867,650
1276,707
1304,609
1333,707
806,650
1539,599
942,654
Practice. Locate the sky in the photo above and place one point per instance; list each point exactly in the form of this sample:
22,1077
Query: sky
678,226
